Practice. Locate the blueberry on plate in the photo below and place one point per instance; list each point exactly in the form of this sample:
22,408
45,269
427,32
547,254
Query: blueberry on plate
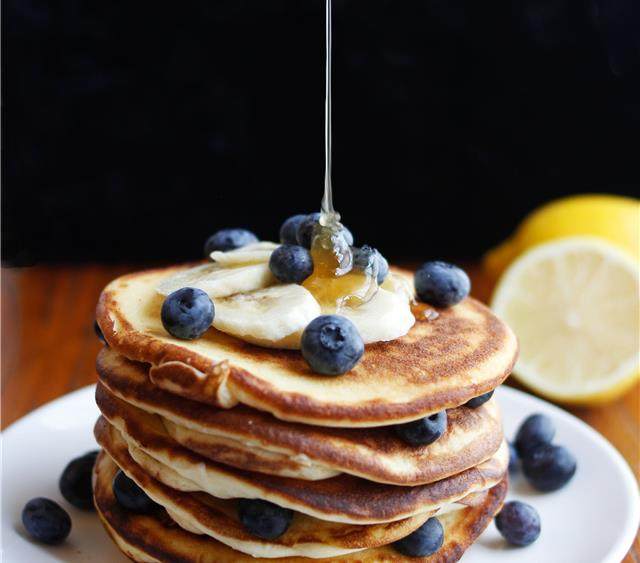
264,519
46,520
75,481
514,459
229,239
426,540
548,467
518,523
130,496
187,313
537,429
424,431
331,345
441,284
364,257
304,236
289,229
291,264
98,331
479,400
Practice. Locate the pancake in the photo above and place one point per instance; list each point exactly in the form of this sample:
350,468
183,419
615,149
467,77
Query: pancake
343,498
441,363
250,439
156,537
308,537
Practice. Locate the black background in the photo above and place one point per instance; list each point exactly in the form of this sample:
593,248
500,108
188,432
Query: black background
133,130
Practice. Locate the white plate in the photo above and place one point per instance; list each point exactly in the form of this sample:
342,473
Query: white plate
592,520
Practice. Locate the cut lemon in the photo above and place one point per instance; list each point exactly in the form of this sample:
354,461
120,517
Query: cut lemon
575,306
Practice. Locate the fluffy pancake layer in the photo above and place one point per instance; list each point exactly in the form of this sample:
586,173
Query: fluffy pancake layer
343,498
442,363
250,439
157,538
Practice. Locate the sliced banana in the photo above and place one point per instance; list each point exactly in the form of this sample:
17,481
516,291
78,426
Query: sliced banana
386,317
273,317
256,253
400,285
218,281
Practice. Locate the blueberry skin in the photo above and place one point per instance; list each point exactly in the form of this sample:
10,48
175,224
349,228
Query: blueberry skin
289,229
304,236
264,519
424,431
426,540
514,459
130,496
519,523
98,331
548,467
75,481
441,284
229,239
479,400
291,264
187,313
46,520
362,260
331,345
535,430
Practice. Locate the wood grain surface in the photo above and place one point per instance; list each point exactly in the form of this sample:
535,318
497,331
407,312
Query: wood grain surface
49,349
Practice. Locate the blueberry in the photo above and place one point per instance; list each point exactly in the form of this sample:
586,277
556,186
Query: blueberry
423,431
75,481
479,400
331,345
291,264
514,459
535,430
518,523
187,313
548,467
304,236
130,496
98,331
289,229
264,519
228,239
441,284
363,260
46,520
426,540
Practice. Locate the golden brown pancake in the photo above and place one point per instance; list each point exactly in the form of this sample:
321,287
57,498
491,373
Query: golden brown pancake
250,439
343,498
442,363
309,537
157,538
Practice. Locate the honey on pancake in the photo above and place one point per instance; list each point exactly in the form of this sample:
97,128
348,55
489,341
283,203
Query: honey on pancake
334,282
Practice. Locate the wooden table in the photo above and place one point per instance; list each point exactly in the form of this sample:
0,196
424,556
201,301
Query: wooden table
49,349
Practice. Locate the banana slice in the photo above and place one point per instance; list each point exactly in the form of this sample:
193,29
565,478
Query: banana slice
399,284
387,316
256,253
218,281
273,317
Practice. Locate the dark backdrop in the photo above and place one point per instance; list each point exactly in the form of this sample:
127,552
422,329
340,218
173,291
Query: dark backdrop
132,130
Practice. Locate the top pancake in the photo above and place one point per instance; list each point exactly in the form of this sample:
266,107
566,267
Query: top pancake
442,363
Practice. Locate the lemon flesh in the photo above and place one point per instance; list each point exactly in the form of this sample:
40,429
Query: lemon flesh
575,306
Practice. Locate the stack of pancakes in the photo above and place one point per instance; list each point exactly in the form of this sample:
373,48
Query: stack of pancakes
200,424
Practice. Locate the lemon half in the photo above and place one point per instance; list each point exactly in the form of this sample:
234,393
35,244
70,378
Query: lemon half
575,305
